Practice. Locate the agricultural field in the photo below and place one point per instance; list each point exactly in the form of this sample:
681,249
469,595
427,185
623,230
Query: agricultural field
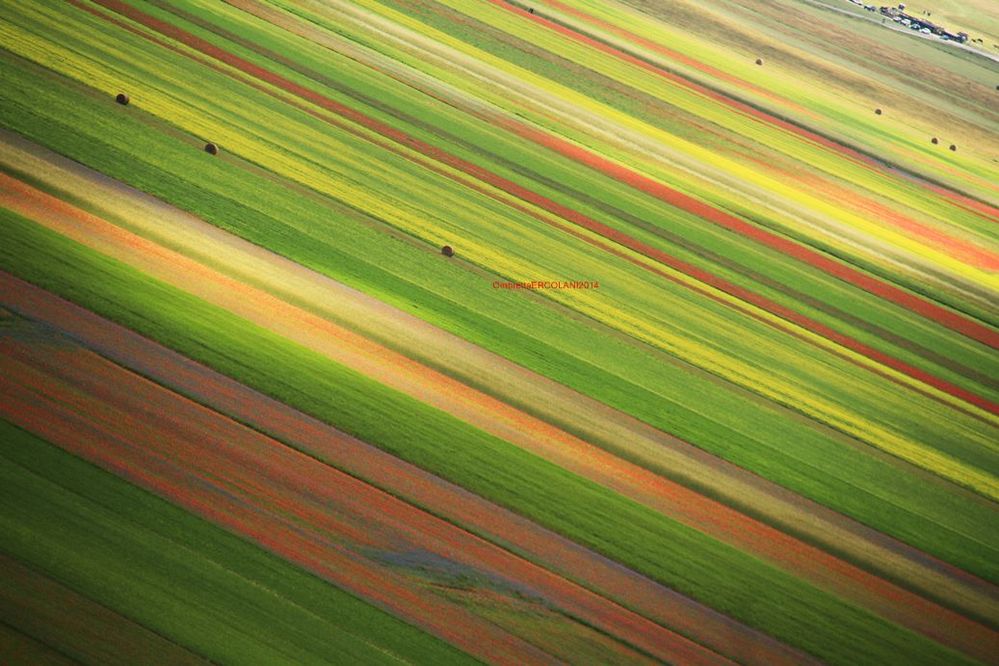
496,331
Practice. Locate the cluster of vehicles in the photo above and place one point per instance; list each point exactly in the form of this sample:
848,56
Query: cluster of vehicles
914,26
918,24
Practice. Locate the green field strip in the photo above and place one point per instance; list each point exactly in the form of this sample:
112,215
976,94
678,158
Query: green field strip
191,582
75,626
682,412
682,558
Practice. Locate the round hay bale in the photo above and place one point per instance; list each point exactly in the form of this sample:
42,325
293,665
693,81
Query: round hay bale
759,61
211,149
447,251
121,98
953,147
934,141
877,112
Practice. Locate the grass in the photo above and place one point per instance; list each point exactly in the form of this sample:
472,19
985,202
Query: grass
19,648
682,558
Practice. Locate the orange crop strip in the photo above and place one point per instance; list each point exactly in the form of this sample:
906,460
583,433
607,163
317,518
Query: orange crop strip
958,248
985,210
